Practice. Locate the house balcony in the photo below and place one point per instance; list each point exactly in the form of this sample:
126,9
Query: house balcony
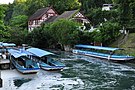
34,26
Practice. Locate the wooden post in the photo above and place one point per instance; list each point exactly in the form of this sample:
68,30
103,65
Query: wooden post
10,62
1,81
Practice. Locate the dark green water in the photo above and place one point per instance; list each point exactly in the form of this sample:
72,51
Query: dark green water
100,74
94,74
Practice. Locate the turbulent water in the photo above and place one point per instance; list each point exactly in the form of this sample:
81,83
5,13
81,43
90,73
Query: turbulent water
81,73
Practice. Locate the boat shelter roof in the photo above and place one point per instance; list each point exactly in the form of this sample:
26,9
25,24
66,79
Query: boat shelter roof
39,52
18,53
97,47
7,44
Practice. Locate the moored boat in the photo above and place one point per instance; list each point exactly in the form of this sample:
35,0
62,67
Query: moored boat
22,63
4,55
101,52
45,61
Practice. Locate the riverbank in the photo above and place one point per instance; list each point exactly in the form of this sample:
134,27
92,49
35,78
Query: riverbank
128,44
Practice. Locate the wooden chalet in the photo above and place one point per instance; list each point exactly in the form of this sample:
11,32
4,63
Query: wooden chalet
71,15
40,16
48,15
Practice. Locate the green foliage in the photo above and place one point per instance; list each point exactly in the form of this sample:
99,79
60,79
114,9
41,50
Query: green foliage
17,35
19,21
108,32
3,32
86,37
34,5
64,5
19,9
40,37
62,32
87,5
65,31
126,10
8,14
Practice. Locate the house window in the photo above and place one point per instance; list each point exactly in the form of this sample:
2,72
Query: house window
30,22
36,22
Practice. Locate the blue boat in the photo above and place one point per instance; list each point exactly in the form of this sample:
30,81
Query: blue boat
22,63
45,61
101,52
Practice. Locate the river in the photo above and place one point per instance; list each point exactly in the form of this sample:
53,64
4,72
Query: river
81,73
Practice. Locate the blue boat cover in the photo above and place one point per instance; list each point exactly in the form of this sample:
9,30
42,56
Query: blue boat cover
18,53
7,44
97,47
39,52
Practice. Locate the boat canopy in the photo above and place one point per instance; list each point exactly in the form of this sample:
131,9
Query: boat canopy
18,53
97,47
39,52
7,44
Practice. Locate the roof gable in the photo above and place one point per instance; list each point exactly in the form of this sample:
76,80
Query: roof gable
40,12
79,15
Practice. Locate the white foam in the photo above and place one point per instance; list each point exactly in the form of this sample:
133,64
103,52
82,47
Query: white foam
43,80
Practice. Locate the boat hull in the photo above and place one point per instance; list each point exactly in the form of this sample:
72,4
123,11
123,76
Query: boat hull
52,68
104,56
24,70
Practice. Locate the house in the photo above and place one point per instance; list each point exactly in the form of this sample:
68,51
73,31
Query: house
48,15
74,15
71,15
40,16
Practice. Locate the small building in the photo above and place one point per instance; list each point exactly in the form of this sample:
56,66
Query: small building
107,7
40,16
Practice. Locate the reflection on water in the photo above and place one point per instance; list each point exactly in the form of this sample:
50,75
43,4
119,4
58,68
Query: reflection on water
81,73
19,82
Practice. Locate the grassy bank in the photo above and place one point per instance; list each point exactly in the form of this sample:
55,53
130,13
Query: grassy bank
128,44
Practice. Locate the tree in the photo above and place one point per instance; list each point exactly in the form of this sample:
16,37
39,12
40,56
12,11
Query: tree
66,32
20,8
19,21
34,5
40,37
18,35
125,14
64,5
3,29
109,32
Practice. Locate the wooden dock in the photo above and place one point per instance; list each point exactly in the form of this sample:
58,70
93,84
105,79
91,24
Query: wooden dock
4,61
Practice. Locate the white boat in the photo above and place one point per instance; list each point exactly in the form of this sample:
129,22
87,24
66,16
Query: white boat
99,52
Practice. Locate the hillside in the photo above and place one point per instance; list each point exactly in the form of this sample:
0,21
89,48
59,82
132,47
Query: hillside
126,42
